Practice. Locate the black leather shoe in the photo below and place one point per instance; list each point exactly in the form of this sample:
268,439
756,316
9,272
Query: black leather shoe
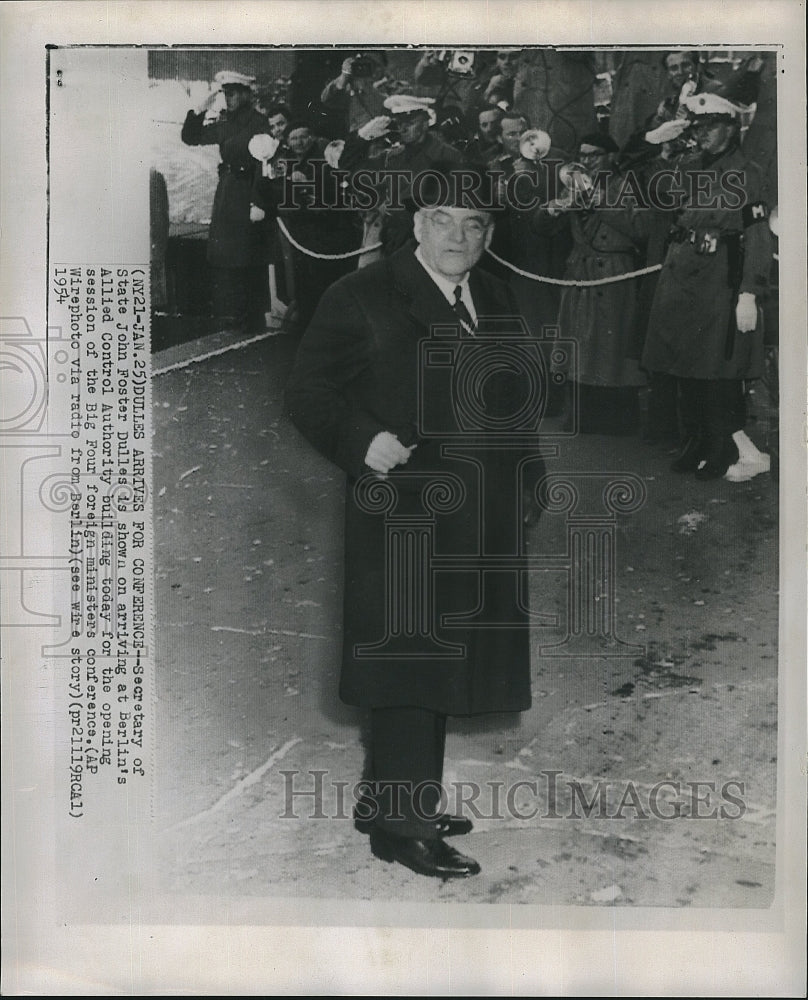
425,857
366,810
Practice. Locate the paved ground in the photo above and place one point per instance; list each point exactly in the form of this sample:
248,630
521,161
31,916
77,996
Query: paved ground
248,551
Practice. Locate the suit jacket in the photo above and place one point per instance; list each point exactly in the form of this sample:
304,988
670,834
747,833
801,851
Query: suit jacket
426,623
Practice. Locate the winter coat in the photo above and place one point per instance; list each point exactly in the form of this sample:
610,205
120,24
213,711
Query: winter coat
602,318
361,369
716,253
232,240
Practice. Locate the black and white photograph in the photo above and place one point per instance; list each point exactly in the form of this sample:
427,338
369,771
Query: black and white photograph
402,533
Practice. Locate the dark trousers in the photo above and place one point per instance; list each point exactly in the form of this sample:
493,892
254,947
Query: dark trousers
406,760
712,410
713,407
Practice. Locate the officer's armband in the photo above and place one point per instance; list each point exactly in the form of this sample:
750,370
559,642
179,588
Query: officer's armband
754,212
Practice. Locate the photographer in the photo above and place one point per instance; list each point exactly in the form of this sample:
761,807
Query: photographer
484,144
282,192
357,92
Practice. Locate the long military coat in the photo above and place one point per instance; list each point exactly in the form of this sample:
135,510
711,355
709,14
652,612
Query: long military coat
602,318
233,241
691,328
361,369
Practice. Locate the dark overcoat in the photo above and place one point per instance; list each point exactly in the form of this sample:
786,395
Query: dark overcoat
602,318
361,369
691,328
233,241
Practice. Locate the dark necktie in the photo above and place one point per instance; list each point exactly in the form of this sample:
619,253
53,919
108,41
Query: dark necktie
461,311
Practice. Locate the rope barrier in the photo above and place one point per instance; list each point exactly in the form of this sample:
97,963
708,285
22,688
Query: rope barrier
570,283
574,282
324,256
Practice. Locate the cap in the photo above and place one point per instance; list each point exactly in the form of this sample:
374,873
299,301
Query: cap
450,185
712,105
229,78
406,104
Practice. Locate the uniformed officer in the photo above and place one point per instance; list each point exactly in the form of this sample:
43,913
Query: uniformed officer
704,326
409,148
234,246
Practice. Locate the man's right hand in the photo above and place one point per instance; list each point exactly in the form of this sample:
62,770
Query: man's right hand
375,128
667,131
206,104
386,452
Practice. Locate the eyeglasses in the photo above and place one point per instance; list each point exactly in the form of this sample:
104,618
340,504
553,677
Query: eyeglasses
472,228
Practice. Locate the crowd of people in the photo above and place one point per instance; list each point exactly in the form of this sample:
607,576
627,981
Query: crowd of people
437,228
676,206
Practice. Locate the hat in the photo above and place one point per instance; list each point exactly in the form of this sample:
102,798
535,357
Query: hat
712,105
450,185
229,78
406,104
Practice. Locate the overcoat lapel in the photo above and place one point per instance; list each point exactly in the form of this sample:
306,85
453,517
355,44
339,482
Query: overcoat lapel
425,303
423,300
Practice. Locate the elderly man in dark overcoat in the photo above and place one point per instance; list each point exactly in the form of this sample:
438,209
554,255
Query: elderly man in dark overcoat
416,380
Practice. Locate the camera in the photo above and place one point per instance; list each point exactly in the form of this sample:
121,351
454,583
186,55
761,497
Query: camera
497,381
362,67
459,61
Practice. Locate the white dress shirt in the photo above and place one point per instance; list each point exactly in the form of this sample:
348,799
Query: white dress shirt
447,287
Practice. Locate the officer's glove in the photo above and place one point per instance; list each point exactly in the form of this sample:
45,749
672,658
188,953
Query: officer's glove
257,214
667,131
746,312
375,128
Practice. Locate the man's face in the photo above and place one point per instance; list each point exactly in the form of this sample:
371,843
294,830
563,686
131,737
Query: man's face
489,125
452,239
680,67
506,62
593,158
277,123
713,136
412,127
235,96
299,141
511,130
